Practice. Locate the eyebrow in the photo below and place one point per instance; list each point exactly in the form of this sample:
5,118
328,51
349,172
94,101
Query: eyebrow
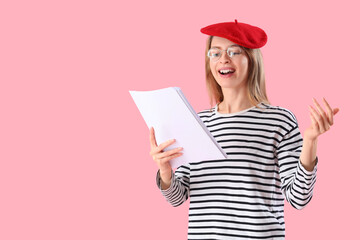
234,45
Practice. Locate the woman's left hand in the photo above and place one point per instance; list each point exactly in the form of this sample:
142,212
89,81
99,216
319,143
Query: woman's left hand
320,120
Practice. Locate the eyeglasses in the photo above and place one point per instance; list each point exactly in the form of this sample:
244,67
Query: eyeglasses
215,53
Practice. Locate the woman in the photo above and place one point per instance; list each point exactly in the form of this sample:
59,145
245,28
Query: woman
243,196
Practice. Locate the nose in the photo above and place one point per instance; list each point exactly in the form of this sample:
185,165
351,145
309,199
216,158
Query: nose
224,58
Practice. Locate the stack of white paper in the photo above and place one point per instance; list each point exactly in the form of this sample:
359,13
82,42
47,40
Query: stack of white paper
171,115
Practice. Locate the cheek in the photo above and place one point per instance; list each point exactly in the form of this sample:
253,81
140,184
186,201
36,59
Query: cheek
243,64
212,69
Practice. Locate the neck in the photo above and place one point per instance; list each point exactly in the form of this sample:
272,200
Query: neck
235,100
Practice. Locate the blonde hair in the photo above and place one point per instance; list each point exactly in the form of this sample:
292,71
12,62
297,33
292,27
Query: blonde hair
255,77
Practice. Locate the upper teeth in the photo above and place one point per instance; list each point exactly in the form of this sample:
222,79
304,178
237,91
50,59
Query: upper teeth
225,71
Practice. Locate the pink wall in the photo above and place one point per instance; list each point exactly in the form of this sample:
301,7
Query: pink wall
74,151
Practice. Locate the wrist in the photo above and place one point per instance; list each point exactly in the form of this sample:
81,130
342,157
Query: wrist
308,153
311,140
165,180
310,137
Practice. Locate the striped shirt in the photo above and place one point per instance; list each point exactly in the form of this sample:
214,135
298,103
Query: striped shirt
242,197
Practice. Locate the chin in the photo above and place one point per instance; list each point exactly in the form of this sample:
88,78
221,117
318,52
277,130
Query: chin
224,84
228,86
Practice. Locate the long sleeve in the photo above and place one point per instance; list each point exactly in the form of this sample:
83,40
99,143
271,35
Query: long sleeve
178,192
297,184
242,196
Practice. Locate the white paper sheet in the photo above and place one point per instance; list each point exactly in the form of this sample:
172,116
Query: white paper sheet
171,115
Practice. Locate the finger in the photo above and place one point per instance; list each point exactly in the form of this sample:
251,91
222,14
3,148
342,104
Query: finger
161,147
330,112
153,142
321,111
313,120
318,119
167,159
169,153
323,123
324,117
335,110
164,145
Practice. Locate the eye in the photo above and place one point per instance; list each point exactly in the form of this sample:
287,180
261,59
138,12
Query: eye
213,53
234,51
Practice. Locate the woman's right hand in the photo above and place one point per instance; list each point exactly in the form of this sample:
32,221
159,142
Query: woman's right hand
162,158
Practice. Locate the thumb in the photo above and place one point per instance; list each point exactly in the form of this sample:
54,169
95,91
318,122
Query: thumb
336,110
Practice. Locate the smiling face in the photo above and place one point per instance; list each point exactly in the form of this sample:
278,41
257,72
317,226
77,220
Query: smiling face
229,72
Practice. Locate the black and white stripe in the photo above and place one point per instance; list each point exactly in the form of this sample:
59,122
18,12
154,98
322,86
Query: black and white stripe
242,197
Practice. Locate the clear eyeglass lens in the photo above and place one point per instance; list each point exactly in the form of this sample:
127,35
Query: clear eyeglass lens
214,53
233,51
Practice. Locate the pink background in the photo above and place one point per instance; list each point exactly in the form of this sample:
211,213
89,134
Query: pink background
74,149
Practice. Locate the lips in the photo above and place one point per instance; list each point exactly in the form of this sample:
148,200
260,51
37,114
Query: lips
226,72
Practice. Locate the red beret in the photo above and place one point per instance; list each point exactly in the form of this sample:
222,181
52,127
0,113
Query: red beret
240,33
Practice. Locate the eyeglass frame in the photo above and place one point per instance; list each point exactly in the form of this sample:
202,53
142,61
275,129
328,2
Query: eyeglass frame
221,52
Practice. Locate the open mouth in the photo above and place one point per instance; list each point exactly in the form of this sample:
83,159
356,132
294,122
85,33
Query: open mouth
226,71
